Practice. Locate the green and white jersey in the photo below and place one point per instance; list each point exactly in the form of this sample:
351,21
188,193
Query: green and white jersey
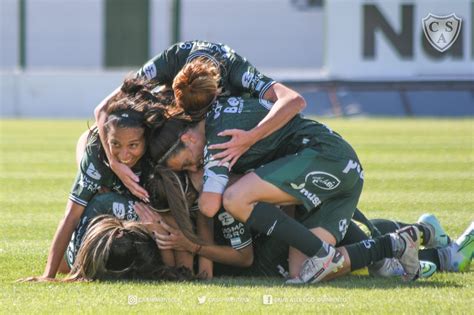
230,232
110,203
245,113
238,76
94,173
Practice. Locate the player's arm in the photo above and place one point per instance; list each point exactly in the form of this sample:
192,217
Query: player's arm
287,103
210,203
62,237
124,173
60,241
205,231
151,220
228,255
223,254
214,181
160,69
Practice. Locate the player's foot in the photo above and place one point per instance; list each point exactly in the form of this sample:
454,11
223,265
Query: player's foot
391,267
405,245
314,269
458,255
427,269
438,237
388,267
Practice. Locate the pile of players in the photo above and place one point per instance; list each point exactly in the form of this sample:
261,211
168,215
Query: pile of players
201,166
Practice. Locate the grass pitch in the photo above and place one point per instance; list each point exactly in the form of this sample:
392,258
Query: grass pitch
411,166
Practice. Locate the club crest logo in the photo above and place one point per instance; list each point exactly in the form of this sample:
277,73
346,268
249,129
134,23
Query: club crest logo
441,31
323,180
118,210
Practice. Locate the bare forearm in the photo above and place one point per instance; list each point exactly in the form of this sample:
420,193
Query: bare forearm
60,241
100,114
167,255
205,231
227,255
288,104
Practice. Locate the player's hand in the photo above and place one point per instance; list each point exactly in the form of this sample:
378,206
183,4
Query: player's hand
240,142
205,268
37,279
173,239
130,180
146,214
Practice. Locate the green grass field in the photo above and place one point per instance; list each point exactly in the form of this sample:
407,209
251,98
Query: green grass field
411,166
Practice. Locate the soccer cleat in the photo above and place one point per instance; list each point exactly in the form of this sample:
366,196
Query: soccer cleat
458,255
315,268
438,238
391,267
427,269
388,267
405,245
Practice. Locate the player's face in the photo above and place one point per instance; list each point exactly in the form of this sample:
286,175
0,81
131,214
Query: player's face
190,158
127,145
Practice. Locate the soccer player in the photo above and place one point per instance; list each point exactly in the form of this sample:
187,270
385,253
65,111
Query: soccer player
237,251
187,67
126,141
116,249
304,162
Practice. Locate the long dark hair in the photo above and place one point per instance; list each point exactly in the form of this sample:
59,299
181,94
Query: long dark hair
114,250
167,137
172,190
165,120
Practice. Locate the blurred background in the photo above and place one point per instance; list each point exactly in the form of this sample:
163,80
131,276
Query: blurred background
59,59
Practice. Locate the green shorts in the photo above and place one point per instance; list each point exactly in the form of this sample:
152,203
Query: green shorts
316,179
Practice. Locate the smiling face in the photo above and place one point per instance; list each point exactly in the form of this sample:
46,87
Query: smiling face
190,157
127,145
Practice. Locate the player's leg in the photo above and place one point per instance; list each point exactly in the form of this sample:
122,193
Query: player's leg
434,238
306,177
457,257
329,222
248,200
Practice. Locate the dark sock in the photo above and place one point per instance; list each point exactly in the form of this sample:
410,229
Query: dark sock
389,226
367,252
268,219
425,233
430,254
353,235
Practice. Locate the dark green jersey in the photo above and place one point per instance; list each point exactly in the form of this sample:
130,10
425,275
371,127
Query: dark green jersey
230,232
238,76
110,203
246,113
94,173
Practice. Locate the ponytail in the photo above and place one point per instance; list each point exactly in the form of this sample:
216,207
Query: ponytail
196,87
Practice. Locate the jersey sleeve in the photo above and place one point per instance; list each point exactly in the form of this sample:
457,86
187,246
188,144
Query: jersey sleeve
90,176
163,67
215,177
230,232
245,78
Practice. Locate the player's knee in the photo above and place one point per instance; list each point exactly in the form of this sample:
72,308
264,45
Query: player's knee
230,201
